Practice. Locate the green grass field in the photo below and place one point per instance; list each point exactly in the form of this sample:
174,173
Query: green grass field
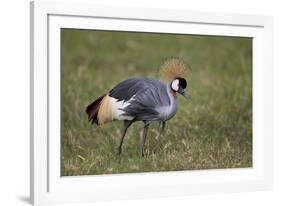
211,130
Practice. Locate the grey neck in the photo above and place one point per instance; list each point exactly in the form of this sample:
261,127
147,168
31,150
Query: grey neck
173,101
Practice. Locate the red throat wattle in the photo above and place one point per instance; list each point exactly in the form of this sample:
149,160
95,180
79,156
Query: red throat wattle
174,93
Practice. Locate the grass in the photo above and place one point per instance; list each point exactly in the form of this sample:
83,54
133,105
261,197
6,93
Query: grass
212,130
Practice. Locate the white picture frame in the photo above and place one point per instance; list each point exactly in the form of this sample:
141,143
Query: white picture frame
47,186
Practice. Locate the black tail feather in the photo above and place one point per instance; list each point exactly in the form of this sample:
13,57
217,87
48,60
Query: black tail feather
92,110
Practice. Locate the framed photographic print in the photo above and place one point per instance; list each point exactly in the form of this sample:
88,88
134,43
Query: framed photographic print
133,103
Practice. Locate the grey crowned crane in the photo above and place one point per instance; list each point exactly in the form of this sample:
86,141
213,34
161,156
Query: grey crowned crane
141,99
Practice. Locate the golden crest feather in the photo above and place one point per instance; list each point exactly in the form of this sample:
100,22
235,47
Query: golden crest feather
171,69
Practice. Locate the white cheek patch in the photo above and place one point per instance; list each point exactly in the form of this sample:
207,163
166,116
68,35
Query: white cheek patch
175,85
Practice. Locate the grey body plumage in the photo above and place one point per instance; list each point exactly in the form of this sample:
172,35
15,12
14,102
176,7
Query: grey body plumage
151,100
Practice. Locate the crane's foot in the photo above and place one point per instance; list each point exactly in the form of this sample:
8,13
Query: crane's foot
143,153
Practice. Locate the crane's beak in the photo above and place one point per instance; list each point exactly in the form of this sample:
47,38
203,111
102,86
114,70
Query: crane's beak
182,92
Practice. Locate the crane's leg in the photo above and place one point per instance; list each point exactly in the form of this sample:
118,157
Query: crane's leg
144,134
127,124
162,128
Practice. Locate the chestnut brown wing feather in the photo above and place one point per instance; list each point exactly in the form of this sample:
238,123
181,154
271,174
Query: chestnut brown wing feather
92,110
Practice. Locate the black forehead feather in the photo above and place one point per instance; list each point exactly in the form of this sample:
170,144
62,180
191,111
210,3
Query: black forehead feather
182,82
